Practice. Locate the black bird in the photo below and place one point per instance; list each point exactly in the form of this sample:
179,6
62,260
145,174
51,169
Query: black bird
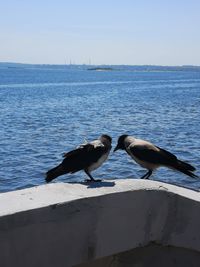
87,157
152,157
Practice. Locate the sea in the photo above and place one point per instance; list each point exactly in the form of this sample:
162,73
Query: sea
46,111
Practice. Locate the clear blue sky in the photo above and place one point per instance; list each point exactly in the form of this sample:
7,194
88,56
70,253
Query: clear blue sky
103,32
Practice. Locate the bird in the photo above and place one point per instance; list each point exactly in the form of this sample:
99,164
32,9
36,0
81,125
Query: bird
87,157
151,157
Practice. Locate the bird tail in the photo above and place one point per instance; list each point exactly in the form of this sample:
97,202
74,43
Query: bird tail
54,173
185,168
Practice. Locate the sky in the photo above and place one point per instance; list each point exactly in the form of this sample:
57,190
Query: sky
133,32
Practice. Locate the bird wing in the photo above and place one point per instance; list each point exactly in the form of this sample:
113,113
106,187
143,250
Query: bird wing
167,154
82,157
152,154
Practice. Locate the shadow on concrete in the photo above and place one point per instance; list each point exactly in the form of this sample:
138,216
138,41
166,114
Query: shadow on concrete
100,184
151,255
97,184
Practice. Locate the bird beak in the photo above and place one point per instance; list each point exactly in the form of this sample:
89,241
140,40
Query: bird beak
116,148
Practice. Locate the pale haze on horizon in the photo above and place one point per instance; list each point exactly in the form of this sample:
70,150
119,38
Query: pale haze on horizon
139,32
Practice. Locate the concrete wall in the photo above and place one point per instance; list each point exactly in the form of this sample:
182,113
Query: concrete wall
68,224
150,256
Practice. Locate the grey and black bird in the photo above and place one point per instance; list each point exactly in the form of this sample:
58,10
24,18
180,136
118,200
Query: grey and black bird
151,157
87,157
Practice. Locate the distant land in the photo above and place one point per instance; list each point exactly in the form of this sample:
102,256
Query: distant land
101,68
146,68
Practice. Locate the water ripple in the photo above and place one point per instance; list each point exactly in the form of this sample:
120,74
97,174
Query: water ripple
47,114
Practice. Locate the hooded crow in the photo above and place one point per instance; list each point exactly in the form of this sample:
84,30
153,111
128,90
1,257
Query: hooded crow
152,157
87,157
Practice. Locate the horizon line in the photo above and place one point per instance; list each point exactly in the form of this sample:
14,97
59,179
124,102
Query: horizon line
84,64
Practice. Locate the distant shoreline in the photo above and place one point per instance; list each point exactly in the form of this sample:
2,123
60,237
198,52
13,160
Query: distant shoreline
133,68
101,69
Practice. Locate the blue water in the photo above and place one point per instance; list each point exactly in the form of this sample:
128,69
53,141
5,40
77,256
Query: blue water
47,111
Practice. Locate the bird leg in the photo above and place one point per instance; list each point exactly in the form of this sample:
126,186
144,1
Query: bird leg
147,175
91,178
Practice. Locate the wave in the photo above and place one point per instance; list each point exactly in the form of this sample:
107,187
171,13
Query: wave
20,85
30,85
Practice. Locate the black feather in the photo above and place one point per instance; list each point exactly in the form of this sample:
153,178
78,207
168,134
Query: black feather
76,160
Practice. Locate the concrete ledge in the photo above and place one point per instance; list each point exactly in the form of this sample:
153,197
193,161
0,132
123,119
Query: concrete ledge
68,224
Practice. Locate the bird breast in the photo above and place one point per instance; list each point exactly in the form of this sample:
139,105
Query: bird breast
99,162
144,164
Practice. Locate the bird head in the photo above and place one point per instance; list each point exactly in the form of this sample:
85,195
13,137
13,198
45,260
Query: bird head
106,138
120,143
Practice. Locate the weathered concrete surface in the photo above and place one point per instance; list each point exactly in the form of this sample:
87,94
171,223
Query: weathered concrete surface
67,224
150,256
